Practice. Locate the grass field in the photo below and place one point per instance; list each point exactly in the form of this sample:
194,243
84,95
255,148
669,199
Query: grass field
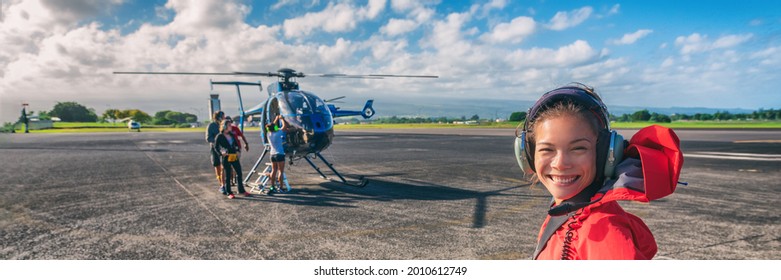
78,127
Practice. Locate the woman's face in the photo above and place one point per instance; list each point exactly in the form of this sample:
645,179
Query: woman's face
565,155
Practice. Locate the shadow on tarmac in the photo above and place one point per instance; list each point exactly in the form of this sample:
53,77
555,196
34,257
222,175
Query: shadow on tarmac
335,194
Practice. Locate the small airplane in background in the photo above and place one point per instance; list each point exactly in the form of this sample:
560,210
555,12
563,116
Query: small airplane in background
310,118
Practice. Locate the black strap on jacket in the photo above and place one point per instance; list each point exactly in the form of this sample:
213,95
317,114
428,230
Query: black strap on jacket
554,223
571,206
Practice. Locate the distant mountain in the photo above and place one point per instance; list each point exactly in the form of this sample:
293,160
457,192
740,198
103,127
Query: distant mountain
499,108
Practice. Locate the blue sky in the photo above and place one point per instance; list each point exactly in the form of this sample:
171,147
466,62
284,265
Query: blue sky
716,54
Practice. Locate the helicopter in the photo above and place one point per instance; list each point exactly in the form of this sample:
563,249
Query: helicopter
310,118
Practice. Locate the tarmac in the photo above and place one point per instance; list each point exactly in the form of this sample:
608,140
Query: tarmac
433,194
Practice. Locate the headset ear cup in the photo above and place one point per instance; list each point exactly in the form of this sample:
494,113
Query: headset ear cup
520,154
615,153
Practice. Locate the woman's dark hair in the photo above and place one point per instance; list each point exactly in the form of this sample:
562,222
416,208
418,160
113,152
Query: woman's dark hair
218,116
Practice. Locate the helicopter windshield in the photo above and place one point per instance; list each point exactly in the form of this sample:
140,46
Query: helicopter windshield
306,110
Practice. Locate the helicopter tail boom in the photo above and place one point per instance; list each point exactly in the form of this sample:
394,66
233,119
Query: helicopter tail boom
367,112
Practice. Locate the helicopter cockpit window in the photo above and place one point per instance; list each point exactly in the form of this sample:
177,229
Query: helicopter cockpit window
299,103
296,109
322,116
320,106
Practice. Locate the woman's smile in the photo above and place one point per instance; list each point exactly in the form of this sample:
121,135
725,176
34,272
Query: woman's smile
564,180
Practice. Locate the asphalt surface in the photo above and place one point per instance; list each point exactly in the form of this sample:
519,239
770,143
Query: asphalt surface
432,194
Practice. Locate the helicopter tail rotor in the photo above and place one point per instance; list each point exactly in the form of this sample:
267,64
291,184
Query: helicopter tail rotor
368,110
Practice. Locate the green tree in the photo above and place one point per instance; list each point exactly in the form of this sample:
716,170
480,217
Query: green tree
517,116
73,112
110,114
175,117
160,118
138,115
121,114
659,118
190,118
44,116
723,116
642,115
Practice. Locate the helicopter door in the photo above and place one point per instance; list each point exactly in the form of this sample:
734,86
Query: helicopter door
272,110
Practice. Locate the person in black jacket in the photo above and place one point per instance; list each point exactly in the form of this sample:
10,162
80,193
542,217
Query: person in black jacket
227,146
211,132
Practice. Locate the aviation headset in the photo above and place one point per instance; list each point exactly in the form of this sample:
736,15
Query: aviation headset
610,145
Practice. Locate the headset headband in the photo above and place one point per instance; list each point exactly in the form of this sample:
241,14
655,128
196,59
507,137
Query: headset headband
578,95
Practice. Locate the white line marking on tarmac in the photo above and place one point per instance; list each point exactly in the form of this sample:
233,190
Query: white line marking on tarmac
201,203
757,141
742,154
734,156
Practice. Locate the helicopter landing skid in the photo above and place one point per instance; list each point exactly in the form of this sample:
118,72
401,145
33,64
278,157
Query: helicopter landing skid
361,184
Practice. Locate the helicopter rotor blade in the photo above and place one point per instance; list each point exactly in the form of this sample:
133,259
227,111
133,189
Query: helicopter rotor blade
172,73
345,76
333,99
371,76
267,74
273,74
403,76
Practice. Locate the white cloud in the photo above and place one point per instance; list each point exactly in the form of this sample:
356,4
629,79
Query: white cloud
614,10
496,4
197,15
578,52
397,27
447,35
383,49
731,41
770,56
72,11
26,24
416,14
341,17
564,20
696,43
608,72
335,18
282,3
668,62
374,8
514,31
492,5
339,52
631,38
401,6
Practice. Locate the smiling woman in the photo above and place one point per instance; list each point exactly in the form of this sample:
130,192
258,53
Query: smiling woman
567,145
565,150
